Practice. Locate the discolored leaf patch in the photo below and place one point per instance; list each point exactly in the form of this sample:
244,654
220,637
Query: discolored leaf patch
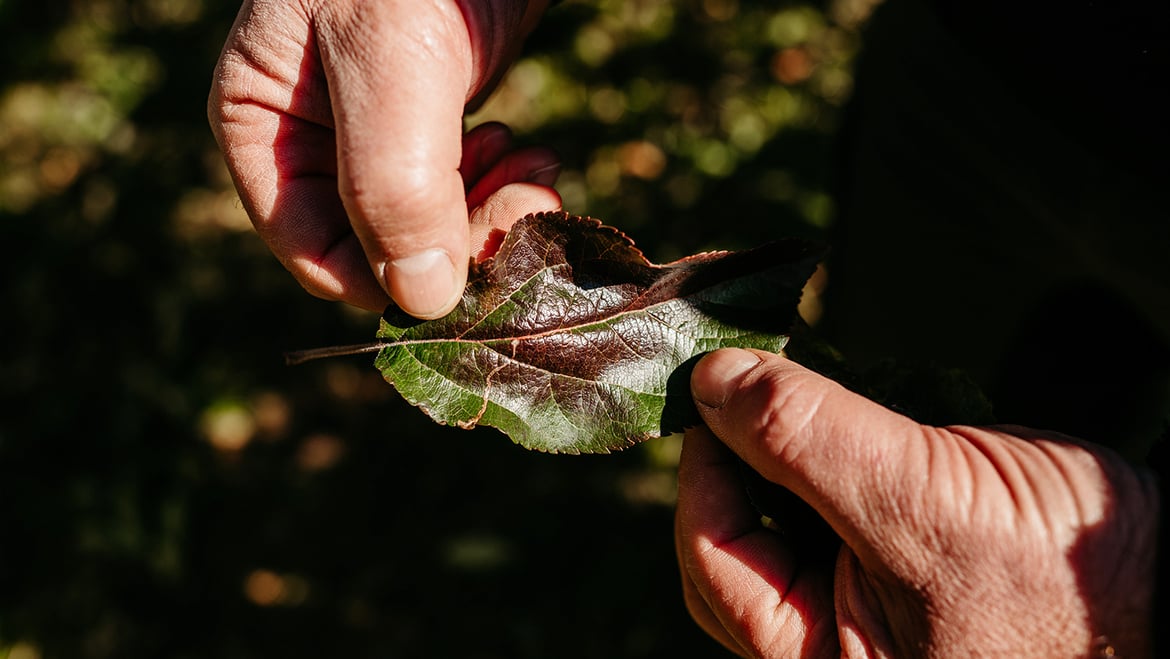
570,341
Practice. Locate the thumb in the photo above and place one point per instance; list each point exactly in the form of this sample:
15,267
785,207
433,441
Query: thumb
399,75
855,462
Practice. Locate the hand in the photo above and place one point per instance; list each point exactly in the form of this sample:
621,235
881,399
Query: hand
341,124
957,541
503,185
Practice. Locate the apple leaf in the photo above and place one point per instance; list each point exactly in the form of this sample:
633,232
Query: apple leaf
570,341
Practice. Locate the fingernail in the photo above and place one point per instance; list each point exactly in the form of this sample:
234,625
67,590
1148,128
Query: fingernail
425,284
717,375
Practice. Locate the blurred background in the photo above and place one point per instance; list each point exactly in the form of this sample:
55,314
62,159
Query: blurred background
168,488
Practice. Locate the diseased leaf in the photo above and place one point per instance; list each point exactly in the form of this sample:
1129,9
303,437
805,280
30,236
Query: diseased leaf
570,341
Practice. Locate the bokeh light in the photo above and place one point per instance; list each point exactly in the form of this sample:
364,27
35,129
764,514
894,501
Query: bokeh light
177,491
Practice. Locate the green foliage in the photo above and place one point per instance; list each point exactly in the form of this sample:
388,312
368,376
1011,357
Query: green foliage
704,111
570,341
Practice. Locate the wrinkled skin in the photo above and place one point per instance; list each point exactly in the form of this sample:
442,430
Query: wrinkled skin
958,541
341,123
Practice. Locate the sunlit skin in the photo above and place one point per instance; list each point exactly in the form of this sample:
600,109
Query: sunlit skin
342,125
957,541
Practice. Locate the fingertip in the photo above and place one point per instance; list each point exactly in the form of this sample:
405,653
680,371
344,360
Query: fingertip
485,132
717,375
427,284
483,146
496,214
831,447
507,205
743,582
711,494
535,165
700,447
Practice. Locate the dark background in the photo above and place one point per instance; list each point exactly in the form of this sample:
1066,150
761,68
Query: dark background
168,488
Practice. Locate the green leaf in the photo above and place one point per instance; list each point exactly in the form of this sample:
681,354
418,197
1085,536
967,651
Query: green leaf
570,341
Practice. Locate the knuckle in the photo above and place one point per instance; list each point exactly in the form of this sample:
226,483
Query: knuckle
787,404
373,194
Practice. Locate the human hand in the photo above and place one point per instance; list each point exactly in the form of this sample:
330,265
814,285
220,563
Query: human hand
957,541
341,124
503,185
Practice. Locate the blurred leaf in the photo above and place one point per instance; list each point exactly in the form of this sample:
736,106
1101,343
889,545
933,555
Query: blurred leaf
570,341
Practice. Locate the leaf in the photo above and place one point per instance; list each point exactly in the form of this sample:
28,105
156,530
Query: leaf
570,341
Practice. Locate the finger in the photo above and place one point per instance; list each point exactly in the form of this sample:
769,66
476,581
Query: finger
313,240
306,227
767,602
276,134
861,466
497,31
399,75
863,628
496,215
697,607
537,165
483,146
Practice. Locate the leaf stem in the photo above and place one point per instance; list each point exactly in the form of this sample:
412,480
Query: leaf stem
301,356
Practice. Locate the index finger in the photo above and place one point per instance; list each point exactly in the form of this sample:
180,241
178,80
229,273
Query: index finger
757,589
270,113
